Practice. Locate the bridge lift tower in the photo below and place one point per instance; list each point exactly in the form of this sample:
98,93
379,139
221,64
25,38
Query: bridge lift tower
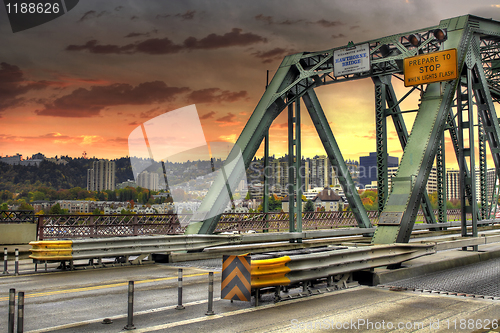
454,66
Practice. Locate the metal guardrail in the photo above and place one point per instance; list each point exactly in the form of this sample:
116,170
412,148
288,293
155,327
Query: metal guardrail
288,270
124,246
17,216
96,226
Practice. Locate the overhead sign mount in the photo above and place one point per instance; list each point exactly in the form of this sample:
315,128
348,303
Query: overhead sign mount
431,67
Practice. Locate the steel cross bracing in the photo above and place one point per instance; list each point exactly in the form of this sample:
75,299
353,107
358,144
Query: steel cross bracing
298,76
483,169
384,93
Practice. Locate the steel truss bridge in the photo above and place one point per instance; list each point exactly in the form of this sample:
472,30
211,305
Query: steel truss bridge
454,106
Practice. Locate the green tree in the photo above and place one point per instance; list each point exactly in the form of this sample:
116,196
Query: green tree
4,206
309,206
274,204
56,209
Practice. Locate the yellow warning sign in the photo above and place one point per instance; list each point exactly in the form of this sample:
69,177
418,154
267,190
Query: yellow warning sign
431,67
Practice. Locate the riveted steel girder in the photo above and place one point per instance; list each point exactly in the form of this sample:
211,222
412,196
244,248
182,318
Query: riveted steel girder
300,73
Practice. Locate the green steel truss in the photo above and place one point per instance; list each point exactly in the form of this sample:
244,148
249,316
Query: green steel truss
477,41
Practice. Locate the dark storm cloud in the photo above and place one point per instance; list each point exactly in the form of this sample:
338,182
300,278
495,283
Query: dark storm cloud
215,95
338,36
89,102
229,118
91,14
209,115
137,34
270,20
275,54
188,15
233,38
93,47
166,46
13,84
155,46
327,24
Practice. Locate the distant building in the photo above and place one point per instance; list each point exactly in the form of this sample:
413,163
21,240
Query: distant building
329,200
128,183
148,180
368,168
35,160
490,183
431,181
319,172
102,176
452,184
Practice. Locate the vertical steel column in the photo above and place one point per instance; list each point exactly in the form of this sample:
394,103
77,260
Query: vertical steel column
298,167
466,125
265,199
381,142
399,124
483,170
291,183
441,180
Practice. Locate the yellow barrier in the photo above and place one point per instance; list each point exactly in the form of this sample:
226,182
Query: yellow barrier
51,250
270,272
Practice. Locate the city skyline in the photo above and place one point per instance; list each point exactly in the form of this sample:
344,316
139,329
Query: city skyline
86,80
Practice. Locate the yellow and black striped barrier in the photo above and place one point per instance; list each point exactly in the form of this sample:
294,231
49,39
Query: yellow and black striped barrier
51,250
293,269
235,283
270,272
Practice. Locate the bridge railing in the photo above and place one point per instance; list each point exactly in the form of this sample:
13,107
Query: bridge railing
17,216
97,226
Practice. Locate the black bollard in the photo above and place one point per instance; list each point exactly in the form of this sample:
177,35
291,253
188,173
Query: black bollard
12,309
20,312
179,294
210,294
130,313
5,261
17,262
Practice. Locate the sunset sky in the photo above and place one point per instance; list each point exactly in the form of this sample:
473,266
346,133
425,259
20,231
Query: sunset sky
86,80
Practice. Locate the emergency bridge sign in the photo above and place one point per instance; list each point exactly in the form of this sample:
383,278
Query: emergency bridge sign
431,67
351,60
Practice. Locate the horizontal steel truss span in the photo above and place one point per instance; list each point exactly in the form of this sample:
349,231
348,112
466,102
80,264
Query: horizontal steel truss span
476,41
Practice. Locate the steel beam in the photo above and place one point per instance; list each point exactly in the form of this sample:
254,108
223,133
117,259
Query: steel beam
399,123
381,142
397,219
333,151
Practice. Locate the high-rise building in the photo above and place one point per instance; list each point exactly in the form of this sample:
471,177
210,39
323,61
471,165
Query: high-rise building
368,168
319,172
452,184
490,182
431,181
278,182
148,180
102,176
